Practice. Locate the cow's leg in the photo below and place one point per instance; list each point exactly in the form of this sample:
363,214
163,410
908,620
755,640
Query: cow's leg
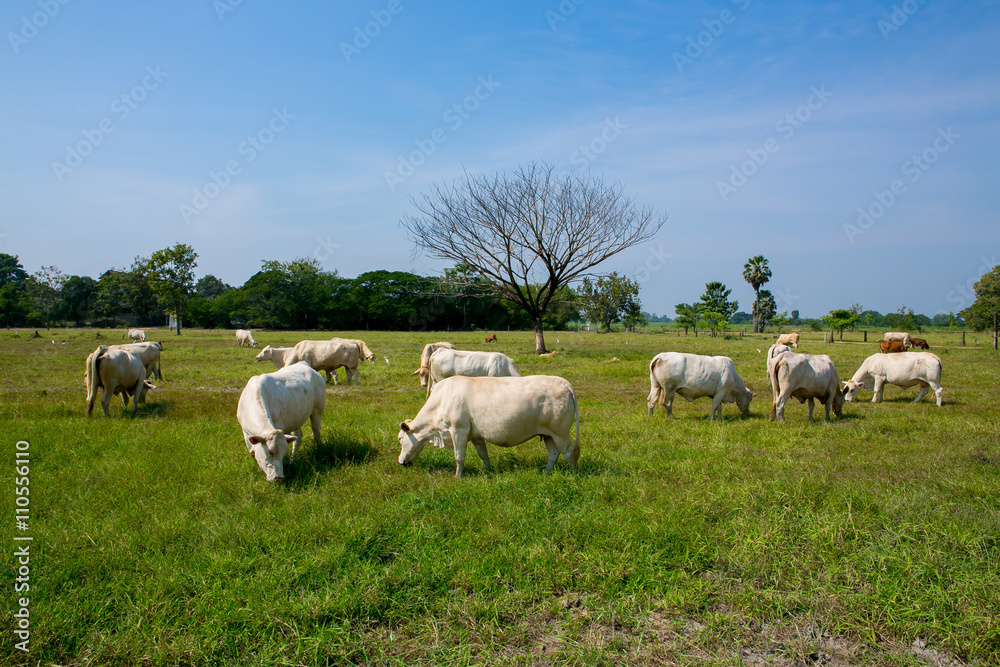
553,450
717,405
357,377
315,419
829,403
878,387
106,401
921,393
668,401
937,393
328,376
460,440
812,404
480,446
298,441
136,393
124,399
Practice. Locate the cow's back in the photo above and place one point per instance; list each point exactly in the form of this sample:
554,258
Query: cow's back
284,399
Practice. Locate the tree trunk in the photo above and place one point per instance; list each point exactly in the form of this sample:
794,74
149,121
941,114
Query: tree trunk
539,337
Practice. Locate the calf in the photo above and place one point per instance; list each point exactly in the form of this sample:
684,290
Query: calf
888,346
117,371
245,337
696,376
902,370
920,342
492,338
272,409
805,377
276,355
505,411
135,335
789,339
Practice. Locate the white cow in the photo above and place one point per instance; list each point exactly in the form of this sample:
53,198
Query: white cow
327,356
116,371
149,353
505,411
902,370
445,363
275,355
789,339
366,354
272,409
135,335
696,376
245,337
805,377
899,336
425,355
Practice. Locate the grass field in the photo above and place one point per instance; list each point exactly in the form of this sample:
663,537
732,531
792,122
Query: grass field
874,539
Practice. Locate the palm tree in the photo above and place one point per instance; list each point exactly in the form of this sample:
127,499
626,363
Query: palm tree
756,272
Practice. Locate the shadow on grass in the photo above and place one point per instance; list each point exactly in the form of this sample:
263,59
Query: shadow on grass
334,453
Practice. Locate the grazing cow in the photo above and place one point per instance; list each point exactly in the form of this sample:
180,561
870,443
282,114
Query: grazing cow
505,411
492,338
445,363
275,355
366,354
245,337
272,409
789,339
696,376
135,335
149,353
902,370
899,336
805,377
920,342
887,346
117,371
327,356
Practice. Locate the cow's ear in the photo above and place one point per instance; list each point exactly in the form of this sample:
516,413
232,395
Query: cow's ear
403,426
416,372
291,439
255,440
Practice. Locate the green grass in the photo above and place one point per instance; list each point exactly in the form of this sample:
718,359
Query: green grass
158,541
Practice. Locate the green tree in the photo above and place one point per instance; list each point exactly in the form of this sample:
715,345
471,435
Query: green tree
757,273
688,316
43,289
609,299
979,316
841,319
76,299
172,273
209,287
13,281
716,306
902,320
764,310
111,295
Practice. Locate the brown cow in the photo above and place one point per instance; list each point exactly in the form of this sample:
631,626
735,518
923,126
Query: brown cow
920,342
492,338
891,346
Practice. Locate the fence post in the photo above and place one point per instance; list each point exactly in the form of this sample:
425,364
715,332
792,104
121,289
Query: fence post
963,340
994,329
866,335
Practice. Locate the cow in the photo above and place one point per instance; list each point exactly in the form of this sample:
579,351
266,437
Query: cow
275,355
789,339
899,336
696,376
366,354
116,371
245,337
902,370
492,338
425,357
805,377
445,363
888,346
919,342
135,335
272,410
149,353
505,411
327,356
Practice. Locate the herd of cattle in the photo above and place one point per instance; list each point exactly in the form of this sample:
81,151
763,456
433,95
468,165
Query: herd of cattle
481,397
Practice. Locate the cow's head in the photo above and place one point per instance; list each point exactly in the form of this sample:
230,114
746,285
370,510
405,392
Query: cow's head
269,451
145,389
851,389
743,401
409,444
265,354
424,374
838,403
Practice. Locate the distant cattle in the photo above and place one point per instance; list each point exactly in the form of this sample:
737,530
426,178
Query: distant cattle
902,370
327,356
116,371
272,410
245,337
887,346
505,411
492,338
696,376
135,335
445,363
898,336
805,377
789,339
920,342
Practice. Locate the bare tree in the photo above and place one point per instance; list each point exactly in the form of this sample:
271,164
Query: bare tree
528,233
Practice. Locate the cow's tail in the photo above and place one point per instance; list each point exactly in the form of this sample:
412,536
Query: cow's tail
575,454
93,378
775,387
655,390
369,356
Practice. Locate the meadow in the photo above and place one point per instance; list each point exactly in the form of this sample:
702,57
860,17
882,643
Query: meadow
872,539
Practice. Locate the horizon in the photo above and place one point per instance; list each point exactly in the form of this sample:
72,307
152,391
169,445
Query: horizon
853,146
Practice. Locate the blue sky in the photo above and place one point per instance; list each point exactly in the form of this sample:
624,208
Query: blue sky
257,131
